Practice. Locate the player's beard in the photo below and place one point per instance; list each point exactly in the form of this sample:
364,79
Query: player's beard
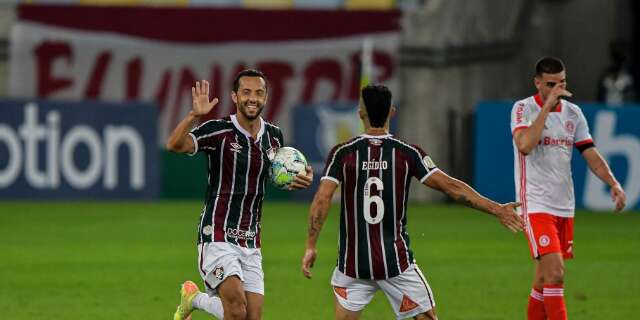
248,113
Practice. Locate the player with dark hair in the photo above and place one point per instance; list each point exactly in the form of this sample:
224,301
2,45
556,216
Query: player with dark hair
545,130
237,149
375,171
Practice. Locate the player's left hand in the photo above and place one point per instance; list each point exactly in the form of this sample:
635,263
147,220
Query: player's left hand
307,262
509,217
302,180
618,196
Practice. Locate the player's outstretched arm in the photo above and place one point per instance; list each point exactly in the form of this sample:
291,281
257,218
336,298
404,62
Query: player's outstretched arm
527,139
179,140
599,167
317,216
466,195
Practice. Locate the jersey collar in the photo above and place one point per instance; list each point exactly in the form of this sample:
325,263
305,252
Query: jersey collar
364,135
540,103
245,132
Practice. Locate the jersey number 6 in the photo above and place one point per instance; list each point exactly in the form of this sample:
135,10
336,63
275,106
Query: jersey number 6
369,200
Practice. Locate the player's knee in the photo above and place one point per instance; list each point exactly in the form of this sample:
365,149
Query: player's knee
555,275
236,310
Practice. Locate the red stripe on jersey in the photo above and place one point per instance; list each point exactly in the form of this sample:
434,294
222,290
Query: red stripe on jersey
375,237
583,142
224,197
252,177
401,176
350,212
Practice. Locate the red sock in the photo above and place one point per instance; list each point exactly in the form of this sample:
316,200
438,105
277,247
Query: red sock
554,302
535,310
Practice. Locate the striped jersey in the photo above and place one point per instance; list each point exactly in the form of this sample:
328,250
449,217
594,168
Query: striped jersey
375,173
238,166
543,178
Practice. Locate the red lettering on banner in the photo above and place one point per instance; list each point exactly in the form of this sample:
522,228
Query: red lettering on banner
214,92
231,109
277,73
162,92
46,53
186,80
134,74
383,70
327,69
97,76
384,63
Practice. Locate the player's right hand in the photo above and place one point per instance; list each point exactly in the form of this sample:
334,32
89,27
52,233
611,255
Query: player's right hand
509,217
618,196
307,262
558,91
200,94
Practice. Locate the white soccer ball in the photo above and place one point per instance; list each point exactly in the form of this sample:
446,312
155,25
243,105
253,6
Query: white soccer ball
285,165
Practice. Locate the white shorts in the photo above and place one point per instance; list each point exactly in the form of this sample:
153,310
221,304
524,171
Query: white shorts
220,260
409,293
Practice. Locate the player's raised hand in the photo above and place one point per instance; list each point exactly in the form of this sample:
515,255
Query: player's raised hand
509,217
200,94
619,197
302,180
558,91
307,262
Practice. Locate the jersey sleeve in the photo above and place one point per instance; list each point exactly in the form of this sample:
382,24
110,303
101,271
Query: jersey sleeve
519,117
333,167
208,135
422,166
583,140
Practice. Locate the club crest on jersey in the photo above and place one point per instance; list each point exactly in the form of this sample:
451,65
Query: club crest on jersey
544,240
218,272
207,230
570,126
235,147
375,142
428,162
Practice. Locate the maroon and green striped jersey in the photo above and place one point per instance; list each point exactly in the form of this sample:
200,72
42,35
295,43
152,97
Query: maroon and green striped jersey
238,166
375,173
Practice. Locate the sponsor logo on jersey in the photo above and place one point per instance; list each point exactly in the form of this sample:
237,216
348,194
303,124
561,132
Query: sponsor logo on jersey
218,272
407,304
544,240
240,234
235,147
428,162
374,165
563,141
570,126
375,142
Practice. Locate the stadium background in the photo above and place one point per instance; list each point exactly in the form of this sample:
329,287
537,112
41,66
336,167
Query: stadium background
90,89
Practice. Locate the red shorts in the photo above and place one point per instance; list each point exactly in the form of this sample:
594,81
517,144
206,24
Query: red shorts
548,234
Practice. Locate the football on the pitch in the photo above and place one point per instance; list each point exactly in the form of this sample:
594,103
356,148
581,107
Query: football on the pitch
285,165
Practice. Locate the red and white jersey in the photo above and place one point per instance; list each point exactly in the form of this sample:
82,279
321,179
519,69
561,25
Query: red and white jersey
543,177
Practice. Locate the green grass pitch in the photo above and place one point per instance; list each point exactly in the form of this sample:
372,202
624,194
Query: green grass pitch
126,261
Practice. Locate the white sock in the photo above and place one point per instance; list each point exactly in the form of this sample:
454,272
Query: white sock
211,305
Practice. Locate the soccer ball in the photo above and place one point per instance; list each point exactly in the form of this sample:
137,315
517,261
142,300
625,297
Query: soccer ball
285,165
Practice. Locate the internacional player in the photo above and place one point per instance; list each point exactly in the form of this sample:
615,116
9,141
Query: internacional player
238,149
545,130
375,171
